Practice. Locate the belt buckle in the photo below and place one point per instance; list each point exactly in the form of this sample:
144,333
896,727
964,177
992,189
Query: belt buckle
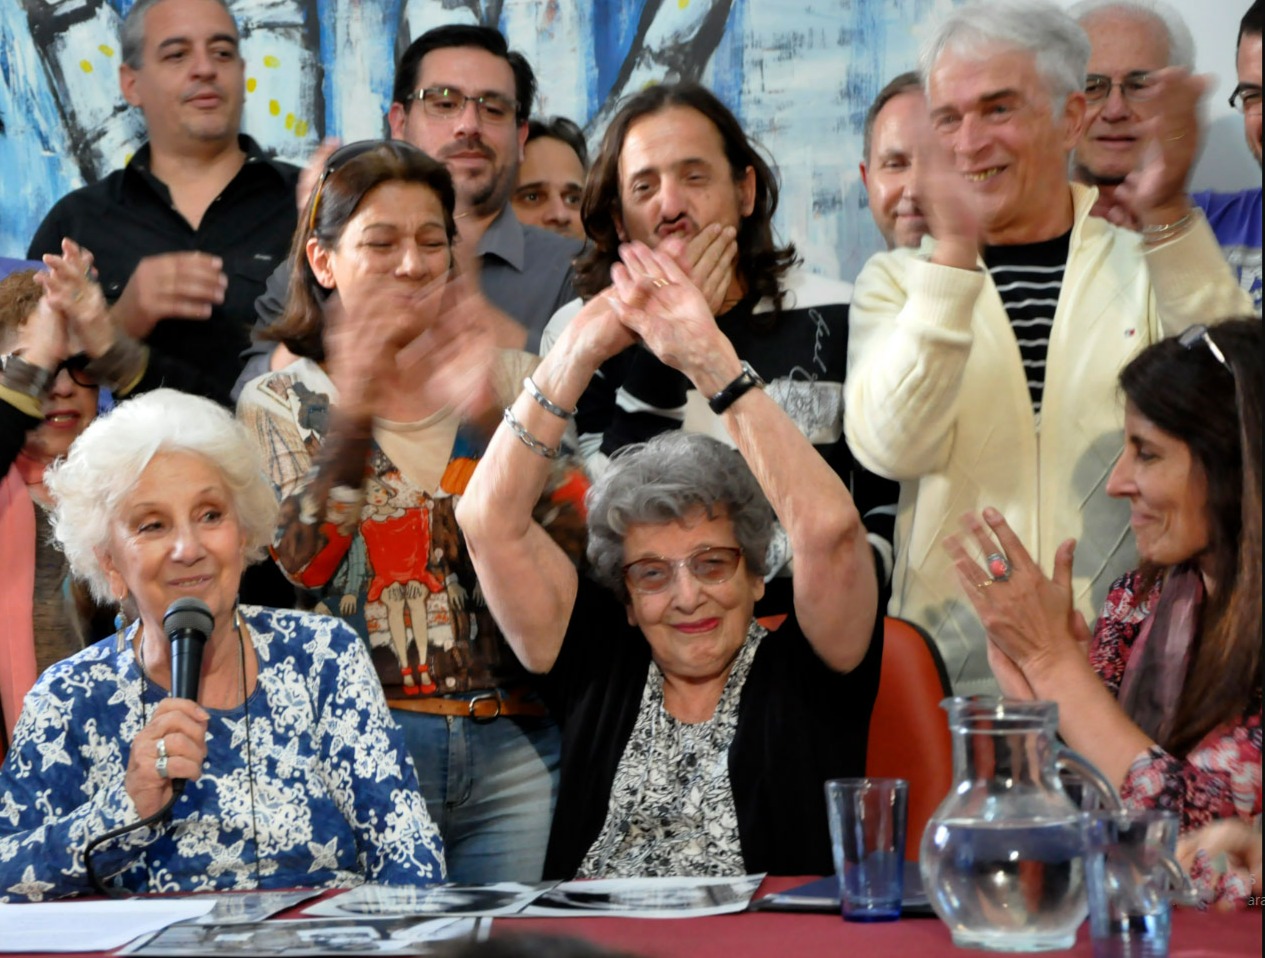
485,697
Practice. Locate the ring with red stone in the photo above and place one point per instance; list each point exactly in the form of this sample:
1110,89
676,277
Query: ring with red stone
998,566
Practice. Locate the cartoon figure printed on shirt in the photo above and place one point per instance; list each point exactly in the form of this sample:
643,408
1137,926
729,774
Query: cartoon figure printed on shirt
404,594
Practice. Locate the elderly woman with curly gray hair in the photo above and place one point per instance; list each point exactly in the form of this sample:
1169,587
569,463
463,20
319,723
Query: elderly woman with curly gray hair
695,741
284,770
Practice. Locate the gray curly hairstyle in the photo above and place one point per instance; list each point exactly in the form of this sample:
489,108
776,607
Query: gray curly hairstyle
1058,45
665,480
90,484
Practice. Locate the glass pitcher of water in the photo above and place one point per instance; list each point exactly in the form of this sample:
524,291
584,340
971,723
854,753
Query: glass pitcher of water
1002,858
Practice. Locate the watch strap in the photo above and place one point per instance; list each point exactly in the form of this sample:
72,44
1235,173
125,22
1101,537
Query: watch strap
747,379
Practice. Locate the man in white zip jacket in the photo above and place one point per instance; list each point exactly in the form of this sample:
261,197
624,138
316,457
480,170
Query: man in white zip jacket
982,367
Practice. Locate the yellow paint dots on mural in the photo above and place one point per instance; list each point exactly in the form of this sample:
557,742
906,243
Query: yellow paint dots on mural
289,121
300,129
274,107
271,62
106,49
251,83
85,66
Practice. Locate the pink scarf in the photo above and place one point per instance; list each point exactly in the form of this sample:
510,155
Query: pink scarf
17,595
1156,671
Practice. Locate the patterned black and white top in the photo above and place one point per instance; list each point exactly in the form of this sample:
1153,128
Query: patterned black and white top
1029,278
672,806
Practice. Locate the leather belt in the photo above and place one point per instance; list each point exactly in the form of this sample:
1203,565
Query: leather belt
481,707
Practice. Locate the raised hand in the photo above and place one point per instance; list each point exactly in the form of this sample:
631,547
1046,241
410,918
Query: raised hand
1154,194
1029,618
71,290
170,286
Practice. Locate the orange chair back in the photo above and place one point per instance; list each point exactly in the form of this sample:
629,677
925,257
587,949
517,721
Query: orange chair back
909,732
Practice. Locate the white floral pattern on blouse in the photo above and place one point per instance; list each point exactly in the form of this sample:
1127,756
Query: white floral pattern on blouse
334,799
672,807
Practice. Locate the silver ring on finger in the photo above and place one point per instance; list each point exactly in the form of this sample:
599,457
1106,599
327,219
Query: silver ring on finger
160,766
998,566
162,748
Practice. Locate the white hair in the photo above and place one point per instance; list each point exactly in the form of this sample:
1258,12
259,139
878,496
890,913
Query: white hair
105,462
1059,47
1181,45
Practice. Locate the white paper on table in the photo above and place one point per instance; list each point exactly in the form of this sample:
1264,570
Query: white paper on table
645,898
368,901
91,925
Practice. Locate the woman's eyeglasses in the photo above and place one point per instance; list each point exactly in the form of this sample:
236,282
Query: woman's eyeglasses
338,158
710,566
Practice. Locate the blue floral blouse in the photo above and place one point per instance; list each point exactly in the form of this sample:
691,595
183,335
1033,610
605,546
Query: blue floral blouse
325,794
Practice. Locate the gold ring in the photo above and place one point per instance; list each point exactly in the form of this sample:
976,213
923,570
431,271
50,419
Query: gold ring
1174,139
985,584
660,282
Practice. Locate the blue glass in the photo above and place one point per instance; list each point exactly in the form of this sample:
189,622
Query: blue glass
867,833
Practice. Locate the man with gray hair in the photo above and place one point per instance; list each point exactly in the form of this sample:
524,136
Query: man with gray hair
1129,40
982,368
185,235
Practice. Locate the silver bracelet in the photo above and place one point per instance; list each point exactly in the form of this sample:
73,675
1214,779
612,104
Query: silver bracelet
1157,234
547,404
528,440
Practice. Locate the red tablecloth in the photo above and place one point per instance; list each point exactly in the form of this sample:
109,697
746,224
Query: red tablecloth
1195,934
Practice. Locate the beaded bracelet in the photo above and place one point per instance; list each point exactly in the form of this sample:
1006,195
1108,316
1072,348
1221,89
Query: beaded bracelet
528,440
547,404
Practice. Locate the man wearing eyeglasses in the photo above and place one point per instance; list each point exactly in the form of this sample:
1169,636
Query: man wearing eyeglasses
982,368
1128,41
185,236
1236,217
462,96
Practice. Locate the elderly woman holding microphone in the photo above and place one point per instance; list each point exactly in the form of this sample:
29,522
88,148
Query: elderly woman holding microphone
694,742
280,768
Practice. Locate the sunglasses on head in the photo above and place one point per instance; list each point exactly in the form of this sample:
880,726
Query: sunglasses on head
339,158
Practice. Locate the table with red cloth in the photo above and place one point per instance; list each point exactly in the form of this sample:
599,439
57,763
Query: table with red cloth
1196,934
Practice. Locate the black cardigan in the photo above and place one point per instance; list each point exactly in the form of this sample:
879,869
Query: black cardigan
799,724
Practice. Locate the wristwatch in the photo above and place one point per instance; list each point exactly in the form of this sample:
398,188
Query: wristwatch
747,379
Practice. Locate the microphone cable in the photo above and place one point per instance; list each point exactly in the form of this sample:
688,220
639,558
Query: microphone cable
108,890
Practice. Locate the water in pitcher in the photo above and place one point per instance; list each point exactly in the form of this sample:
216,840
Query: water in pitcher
1009,886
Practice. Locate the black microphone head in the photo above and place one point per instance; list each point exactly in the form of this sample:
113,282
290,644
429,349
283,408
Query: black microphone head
188,614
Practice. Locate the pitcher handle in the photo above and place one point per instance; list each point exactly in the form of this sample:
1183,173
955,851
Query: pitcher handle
1075,762
1181,890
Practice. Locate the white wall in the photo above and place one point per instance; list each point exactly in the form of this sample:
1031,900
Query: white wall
1225,163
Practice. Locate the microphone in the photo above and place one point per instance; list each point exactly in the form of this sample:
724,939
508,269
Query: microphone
188,623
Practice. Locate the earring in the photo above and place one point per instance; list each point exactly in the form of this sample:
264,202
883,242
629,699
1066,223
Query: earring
120,619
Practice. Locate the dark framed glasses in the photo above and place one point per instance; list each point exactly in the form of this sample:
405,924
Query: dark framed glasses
75,365
710,566
1135,86
340,157
1246,98
1199,334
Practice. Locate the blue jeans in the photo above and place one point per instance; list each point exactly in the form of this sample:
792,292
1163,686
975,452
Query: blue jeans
490,788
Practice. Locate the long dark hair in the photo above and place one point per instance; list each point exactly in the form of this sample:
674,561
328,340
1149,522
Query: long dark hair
761,262
351,172
1187,392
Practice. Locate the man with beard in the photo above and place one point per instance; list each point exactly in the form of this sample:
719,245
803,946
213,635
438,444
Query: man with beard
1236,217
462,96
186,234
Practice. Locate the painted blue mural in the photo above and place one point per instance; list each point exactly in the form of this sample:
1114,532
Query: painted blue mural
799,74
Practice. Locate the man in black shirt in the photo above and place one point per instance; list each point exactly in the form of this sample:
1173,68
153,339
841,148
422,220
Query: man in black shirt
186,234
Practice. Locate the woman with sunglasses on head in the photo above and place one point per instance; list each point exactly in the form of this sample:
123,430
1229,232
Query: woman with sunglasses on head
1168,701
47,399
370,438
694,741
